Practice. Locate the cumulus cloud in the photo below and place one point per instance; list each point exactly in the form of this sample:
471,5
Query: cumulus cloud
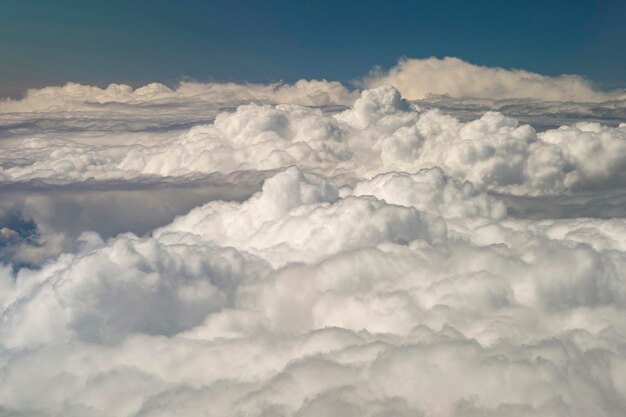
380,132
419,78
312,299
299,250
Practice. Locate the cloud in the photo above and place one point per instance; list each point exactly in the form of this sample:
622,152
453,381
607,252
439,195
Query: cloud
77,97
311,298
289,250
44,220
541,115
420,78
380,132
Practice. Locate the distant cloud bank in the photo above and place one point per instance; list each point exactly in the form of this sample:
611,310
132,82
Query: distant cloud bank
419,78
414,78
73,97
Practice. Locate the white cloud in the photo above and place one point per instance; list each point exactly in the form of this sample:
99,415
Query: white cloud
77,97
419,78
196,254
384,310
379,133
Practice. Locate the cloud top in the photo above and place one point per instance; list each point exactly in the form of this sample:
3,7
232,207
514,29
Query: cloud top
420,78
76,97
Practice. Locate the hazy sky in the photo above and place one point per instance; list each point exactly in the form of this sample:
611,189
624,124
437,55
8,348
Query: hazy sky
45,42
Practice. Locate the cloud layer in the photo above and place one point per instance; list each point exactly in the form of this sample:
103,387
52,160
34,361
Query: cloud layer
380,132
419,78
304,250
76,97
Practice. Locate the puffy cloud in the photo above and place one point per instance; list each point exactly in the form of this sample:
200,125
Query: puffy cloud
309,299
419,78
184,252
381,132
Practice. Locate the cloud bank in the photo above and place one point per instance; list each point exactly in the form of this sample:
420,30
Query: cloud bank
76,97
380,132
305,250
419,78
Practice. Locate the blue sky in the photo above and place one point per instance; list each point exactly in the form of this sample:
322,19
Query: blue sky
97,42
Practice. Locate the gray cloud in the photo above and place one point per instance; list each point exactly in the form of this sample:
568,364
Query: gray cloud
54,215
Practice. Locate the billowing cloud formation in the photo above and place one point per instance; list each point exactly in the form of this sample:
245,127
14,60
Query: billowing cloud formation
404,295
76,97
381,132
419,78
176,252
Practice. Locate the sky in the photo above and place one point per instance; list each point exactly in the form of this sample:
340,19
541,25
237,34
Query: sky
94,42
